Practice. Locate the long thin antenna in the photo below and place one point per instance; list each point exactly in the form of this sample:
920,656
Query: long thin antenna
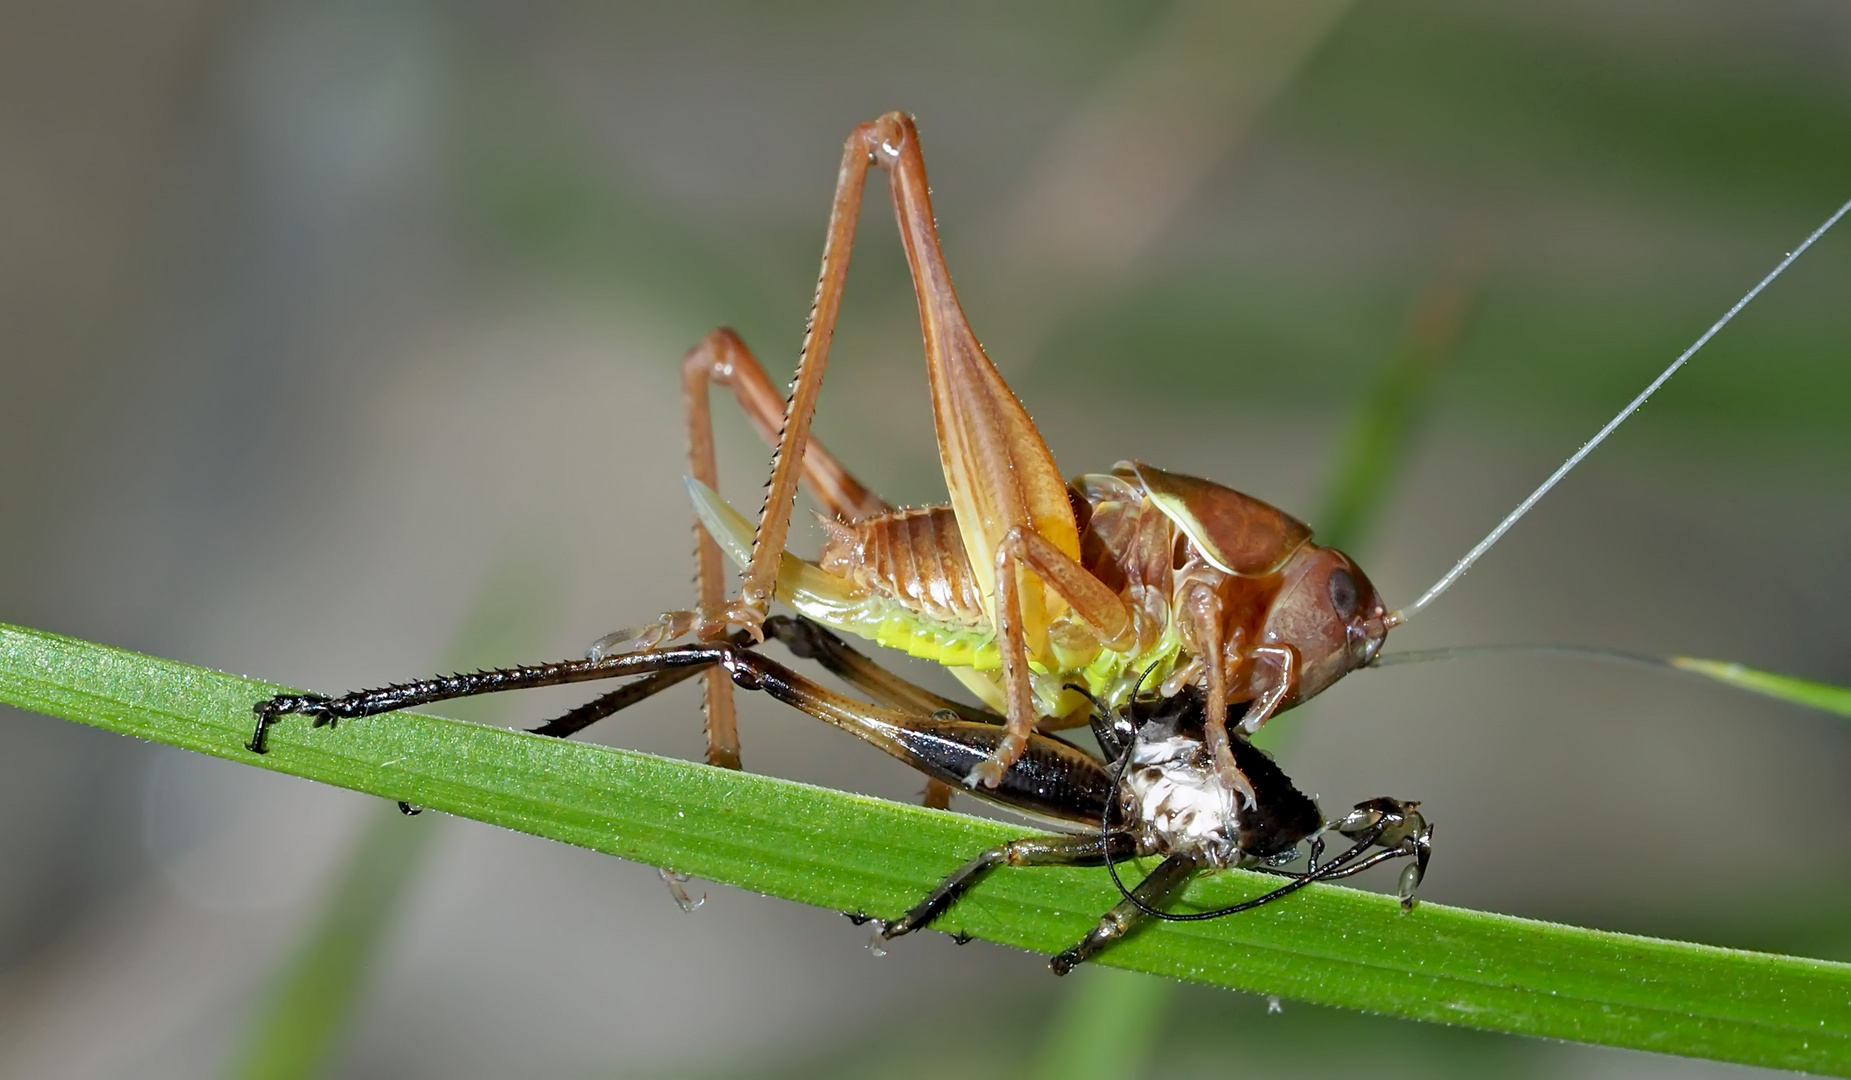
1472,556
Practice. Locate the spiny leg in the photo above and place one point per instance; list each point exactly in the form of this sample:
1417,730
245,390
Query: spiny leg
721,358
1170,876
812,642
569,724
999,472
661,669
1053,779
794,433
560,727
409,695
980,406
1089,849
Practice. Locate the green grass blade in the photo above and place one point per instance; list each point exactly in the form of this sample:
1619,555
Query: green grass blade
1816,695
1326,945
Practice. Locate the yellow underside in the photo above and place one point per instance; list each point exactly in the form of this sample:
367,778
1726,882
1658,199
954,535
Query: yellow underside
970,651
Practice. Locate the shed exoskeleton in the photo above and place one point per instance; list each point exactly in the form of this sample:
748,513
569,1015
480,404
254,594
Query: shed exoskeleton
1160,794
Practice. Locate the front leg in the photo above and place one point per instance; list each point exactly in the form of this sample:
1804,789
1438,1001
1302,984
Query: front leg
1203,612
1087,849
1280,664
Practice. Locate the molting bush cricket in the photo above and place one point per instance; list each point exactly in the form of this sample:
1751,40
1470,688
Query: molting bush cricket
1144,604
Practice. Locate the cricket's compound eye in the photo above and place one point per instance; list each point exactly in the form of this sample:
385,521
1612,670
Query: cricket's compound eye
1328,611
1343,594
1356,604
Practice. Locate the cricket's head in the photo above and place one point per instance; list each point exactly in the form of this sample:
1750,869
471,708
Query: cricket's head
1329,612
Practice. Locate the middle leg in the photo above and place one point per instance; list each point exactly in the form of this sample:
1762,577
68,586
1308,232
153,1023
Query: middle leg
1101,609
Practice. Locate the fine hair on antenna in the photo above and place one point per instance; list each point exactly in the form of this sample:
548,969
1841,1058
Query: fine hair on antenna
1465,563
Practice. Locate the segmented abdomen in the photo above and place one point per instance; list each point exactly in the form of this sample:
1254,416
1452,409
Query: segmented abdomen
914,556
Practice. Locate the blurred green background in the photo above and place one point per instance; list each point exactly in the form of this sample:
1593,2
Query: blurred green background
321,323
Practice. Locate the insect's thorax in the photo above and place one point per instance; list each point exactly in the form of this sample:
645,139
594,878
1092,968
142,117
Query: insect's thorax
1128,542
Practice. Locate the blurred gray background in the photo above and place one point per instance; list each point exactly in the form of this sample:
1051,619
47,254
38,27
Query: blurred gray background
320,322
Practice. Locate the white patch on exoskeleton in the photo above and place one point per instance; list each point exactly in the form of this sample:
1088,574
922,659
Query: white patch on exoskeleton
1172,790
